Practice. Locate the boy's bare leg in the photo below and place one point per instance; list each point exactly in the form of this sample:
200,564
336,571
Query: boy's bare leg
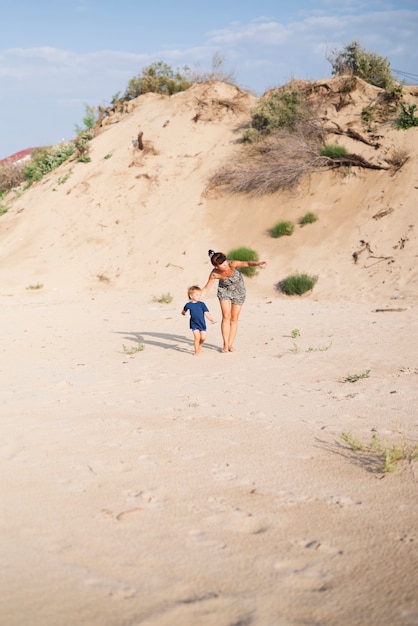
196,341
202,339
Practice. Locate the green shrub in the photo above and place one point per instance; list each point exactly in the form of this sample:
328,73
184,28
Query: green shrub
279,110
297,284
357,61
244,254
282,229
157,78
44,160
333,151
407,117
89,119
308,218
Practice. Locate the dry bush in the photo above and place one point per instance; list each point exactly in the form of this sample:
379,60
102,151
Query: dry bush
11,174
279,162
398,158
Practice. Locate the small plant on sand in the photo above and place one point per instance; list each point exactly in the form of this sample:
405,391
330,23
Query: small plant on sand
3,209
282,229
320,348
35,287
333,151
165,298
244,254
353,378
308,218
296,333
368,117
138,348
407,118
387,454
297,284
63,179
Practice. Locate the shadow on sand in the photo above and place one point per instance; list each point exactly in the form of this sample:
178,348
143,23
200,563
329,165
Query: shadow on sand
166,341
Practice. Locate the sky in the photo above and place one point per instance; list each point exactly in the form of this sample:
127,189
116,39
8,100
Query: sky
59,56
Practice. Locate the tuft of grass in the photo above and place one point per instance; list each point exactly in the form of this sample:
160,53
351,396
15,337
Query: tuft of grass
320,348
368,117
244,254
108,156
298,284
138,348
333,151
282,229
353,378
165,298
387,454
35,287
63,179
308,218
296,349
3,209
407,118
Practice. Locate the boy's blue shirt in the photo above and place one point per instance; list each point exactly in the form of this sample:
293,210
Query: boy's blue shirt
197,314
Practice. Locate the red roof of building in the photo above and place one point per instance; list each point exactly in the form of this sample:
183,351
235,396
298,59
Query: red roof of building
18,156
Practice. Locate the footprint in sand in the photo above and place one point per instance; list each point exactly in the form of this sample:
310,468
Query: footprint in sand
112,588
317,545
297,574
236,520
223,472
199,537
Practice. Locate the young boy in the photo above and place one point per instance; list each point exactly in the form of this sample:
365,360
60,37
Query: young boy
198,312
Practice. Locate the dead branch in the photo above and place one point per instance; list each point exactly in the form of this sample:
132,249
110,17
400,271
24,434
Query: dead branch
382,213
354,160
353,134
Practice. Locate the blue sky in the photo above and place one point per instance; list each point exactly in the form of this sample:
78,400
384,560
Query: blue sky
56,56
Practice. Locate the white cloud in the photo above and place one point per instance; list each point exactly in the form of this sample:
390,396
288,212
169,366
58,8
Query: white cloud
267,33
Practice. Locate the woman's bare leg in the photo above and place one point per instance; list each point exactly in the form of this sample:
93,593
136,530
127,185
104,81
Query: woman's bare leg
226,323
235,311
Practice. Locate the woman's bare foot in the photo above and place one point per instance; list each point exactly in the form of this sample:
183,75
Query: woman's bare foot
224,350
231,349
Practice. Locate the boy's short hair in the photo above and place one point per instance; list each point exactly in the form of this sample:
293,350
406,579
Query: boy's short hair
192,289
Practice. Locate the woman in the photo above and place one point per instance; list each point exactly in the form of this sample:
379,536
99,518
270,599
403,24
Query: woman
231,293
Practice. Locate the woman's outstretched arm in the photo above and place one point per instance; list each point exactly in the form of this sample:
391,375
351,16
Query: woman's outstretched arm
248,263
208,285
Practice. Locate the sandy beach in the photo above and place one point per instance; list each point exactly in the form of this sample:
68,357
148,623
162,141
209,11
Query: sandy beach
152,488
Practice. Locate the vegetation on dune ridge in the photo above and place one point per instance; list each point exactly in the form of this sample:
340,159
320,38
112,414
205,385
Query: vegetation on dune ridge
287,138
